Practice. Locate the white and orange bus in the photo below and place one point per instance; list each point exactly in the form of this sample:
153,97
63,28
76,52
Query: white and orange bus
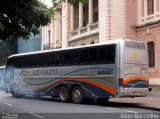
117,68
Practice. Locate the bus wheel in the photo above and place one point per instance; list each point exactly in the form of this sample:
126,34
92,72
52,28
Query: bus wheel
15,92
77,95
64,94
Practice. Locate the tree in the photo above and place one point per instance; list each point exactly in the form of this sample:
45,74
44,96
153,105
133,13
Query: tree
57,2
21,18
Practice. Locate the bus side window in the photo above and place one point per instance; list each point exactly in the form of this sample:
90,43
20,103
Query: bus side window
44,60
83,56
111,54
93,55
75,56
67,57
18,62
32,61
59,56
27,61
22,64
102,54
11,62
51,59
40,60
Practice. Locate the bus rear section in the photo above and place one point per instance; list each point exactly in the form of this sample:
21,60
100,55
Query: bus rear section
133,80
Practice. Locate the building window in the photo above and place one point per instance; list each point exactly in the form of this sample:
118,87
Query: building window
95,11
151,54
76,16
49,36
85,15
150,4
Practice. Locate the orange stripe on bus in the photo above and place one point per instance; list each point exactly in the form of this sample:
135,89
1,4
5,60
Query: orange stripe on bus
133,79
106,88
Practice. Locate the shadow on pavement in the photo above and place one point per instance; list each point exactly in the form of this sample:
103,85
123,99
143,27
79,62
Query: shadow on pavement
134,105
114,104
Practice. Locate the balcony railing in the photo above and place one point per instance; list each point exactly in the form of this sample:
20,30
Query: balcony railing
90,29
48,46
149,18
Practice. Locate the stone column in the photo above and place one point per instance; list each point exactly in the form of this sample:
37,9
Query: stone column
155,6
145,8
65,24
43,36
104,20
90,11
80,15
72,17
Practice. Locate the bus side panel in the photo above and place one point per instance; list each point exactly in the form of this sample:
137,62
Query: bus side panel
104,76
43,80
97,80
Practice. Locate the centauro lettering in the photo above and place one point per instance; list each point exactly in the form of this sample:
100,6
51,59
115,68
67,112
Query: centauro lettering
45,72
107,72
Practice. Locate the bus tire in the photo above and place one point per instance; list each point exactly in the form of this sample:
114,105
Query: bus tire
77,95
64,94
15,92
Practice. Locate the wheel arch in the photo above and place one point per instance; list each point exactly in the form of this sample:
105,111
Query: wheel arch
74,85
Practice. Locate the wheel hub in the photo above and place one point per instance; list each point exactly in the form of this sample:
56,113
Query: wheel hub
77,94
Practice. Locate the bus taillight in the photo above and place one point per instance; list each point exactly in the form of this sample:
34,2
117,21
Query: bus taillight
120,82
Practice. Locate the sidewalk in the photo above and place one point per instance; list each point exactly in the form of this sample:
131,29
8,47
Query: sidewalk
155,91
149,103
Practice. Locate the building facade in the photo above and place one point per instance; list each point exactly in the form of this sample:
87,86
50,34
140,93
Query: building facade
52,33
148,30
102,20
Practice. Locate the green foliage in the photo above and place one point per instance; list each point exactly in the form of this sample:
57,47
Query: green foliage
21,18
77,1
57,2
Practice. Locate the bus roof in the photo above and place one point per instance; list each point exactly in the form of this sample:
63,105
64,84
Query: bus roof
97,44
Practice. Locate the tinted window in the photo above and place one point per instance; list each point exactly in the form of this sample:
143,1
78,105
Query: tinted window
93,55
102,54
67,57
19,62
33,60
51,59
111,54
107,54
59,58
39,59
83,56
75,56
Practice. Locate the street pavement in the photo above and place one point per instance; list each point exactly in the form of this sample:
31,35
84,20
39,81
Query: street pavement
29,108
